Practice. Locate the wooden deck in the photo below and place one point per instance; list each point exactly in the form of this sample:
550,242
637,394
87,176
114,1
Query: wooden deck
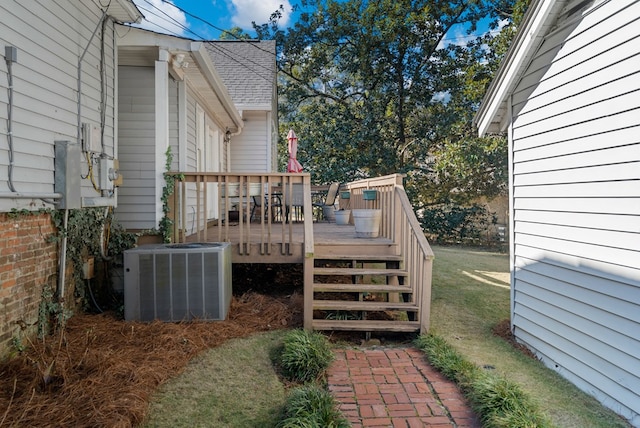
252,243
350,283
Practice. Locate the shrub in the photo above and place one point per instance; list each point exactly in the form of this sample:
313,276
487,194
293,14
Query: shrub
305,355
499,402
312,407
447,360
449,223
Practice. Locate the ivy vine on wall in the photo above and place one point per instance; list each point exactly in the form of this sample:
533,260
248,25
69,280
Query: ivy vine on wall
166,223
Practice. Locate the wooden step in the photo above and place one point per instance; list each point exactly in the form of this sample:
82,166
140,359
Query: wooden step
367,325
361,257
328,251
361,288
352,305
359,271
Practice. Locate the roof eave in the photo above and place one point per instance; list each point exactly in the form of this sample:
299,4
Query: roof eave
125,11
199,53
492,114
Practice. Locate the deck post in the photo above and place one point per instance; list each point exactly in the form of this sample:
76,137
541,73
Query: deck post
425,295
308,255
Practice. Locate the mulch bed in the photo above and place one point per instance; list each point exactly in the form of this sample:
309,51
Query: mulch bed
100,371
503,330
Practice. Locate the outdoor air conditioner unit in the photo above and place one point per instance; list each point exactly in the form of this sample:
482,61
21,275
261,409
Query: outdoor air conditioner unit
176,282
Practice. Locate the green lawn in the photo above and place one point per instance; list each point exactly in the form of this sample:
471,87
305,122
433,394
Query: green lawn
470,295
233,385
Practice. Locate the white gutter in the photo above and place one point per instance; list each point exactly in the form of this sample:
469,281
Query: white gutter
200,54
538,19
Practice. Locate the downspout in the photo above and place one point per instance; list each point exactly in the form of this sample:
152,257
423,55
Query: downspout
227,143
511,219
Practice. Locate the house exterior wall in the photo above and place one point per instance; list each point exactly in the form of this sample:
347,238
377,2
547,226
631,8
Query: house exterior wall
50,37
252,151
204,138
28,263
137,147
575,157
248,69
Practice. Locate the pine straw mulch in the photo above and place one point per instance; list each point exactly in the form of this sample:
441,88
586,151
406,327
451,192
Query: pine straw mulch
101,371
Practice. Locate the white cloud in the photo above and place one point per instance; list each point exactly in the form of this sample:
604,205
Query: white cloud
160,16
258,11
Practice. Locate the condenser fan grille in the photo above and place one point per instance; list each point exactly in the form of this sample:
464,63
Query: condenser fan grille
175,282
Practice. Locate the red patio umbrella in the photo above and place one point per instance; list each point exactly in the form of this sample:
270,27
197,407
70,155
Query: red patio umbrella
293,165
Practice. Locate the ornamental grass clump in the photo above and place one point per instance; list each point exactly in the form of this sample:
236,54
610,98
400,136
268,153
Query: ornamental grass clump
499,402
447,360
305,355
311,406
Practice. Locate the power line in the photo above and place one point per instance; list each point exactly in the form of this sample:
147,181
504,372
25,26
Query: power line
233,56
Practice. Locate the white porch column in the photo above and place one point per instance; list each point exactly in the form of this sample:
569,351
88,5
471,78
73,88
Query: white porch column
182,126
161,124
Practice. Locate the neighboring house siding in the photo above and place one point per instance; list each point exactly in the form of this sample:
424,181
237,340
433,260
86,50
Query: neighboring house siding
249,151
137,148
576,190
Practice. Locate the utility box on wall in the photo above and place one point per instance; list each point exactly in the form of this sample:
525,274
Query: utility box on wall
67,174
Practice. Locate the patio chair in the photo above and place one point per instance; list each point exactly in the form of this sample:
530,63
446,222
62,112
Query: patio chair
260,205
294,202
329,200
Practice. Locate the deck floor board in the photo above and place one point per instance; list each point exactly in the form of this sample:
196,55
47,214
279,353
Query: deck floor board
325,234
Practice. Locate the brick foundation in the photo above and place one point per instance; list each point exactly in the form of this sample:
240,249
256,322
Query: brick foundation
28,261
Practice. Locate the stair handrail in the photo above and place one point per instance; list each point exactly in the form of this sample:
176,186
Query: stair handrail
417,254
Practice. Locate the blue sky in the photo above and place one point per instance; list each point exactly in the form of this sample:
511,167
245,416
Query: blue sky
161,16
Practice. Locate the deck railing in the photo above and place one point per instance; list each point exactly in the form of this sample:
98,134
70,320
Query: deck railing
399,223
204,205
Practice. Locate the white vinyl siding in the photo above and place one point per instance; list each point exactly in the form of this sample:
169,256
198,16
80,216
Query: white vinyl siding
198,154
576,203
174,123
50,37
137,148
251,150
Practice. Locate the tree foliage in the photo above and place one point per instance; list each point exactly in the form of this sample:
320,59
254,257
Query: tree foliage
378,87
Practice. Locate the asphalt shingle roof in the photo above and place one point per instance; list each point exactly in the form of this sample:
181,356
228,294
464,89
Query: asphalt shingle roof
248,69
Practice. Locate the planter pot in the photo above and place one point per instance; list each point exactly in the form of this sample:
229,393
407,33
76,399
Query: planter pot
345,194
328,212
367,223
255,189
342,217
369,195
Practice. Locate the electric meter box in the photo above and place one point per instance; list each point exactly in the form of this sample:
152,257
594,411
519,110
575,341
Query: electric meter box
67,174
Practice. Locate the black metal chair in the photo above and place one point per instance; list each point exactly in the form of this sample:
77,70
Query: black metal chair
262,203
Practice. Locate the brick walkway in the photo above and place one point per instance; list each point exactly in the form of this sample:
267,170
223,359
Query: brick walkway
396,387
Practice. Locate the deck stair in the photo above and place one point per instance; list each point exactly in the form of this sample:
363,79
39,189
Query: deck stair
363,292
